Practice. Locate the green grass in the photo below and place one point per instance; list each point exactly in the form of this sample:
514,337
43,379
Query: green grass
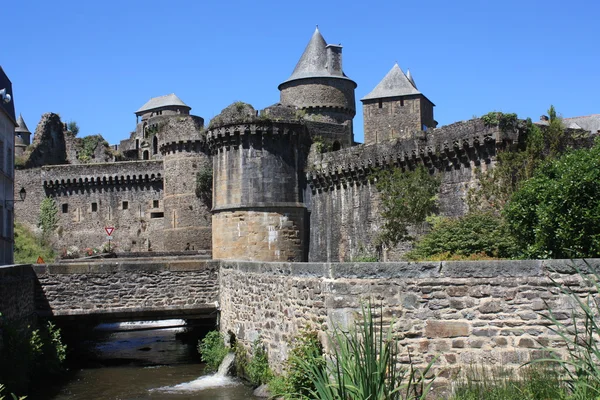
28,247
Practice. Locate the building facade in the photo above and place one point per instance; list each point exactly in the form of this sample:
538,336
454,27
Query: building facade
7,151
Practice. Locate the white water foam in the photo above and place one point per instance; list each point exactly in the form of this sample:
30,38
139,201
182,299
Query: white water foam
220,379
173,324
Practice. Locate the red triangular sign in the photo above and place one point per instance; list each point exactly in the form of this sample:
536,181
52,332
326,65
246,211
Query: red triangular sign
40,260
109,230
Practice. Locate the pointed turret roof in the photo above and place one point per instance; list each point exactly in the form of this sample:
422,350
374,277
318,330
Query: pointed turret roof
162,101
21,127
313,63
394,84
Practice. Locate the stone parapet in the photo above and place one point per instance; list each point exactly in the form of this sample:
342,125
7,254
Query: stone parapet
489,313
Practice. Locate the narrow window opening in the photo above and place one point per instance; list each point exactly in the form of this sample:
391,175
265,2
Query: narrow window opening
380,103
154,145
94,207
146,155
137,144
155,203
125,205
65,208
401,102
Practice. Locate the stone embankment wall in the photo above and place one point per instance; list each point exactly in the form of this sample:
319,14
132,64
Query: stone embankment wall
17,306
131,289
482,313
344,203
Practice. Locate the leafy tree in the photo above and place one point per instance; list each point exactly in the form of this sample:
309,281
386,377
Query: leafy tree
407,198
28,247
480,234
556,214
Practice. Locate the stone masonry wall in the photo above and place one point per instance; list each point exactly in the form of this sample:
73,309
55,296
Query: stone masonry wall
126,287
125,195
17,308
467,313
345,213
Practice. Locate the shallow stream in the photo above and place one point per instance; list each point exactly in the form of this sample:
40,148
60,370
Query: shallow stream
143,364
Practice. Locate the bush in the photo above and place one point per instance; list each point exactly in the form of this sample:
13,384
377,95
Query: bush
213,350
556,214
306,348
257,369
28,247
365,365
474,236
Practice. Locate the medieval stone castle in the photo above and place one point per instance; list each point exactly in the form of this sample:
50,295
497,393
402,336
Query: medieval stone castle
288,183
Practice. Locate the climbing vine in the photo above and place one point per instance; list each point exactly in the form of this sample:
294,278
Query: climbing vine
48,218
204,181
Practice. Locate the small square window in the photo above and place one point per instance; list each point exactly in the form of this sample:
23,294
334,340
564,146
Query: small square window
155,203
94,207
125,205
65,208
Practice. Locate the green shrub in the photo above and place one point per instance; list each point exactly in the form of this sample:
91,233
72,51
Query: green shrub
28,247
365,365
257,369
474,236
12,396
556,214
306,348
213,350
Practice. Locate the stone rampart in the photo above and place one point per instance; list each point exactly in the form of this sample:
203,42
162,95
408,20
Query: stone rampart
128,290
481,312
345,206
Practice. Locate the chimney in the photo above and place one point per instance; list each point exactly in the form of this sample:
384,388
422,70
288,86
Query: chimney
334,59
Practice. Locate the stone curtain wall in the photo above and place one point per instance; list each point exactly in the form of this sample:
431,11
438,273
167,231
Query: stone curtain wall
344,204
126,289
481,313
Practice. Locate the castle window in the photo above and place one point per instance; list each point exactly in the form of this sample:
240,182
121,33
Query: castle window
401,102
154,145
157,215
65,208
146,155
94,207
137,144
155,203
380,103
125,205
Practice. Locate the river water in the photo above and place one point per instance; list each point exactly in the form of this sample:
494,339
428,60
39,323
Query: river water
143,364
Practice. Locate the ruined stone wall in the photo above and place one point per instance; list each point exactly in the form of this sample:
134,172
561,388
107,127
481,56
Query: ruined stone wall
126,287
345,215
483,313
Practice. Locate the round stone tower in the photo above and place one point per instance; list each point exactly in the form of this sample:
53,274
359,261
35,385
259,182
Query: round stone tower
22,137
258,212
321,91
186,203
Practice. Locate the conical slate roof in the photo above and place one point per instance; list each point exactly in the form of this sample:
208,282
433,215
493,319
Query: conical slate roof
394,84
168,100
21,127
313,63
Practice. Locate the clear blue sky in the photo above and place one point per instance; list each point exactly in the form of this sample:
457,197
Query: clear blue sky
96,62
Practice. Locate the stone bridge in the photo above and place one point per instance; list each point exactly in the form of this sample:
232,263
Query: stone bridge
123,290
